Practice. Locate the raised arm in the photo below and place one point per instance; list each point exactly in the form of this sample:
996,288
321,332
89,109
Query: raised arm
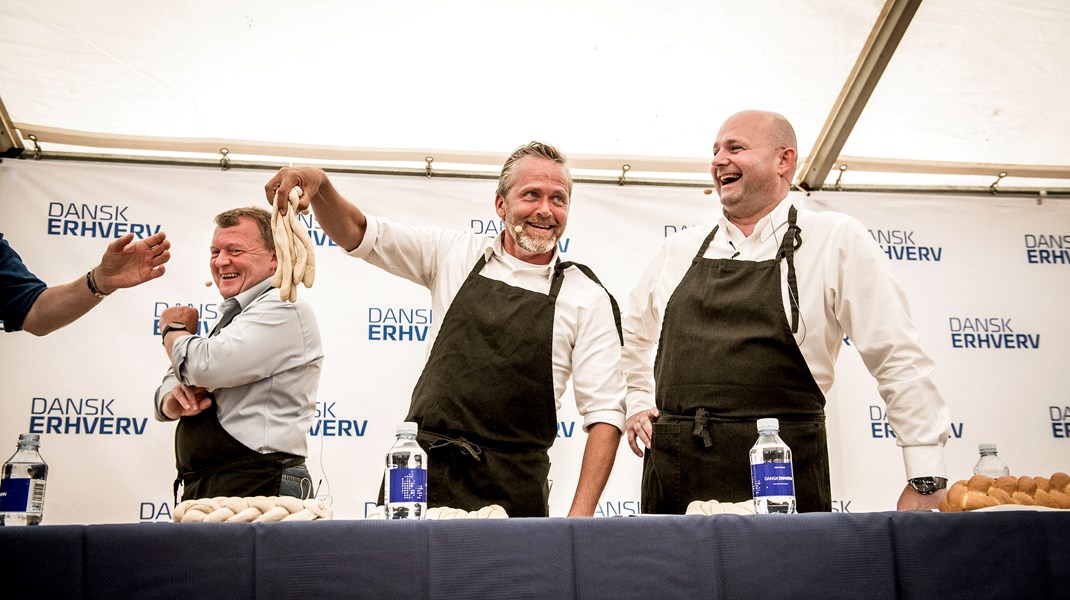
338,217
123,265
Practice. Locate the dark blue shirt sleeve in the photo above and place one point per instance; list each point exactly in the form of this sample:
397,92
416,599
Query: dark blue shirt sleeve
19,288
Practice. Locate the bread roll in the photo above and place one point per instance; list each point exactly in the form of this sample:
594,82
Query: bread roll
1027,485
1007,484
1023,499
1063,500
979,483
1060,482
1044,498
1000,496
980,491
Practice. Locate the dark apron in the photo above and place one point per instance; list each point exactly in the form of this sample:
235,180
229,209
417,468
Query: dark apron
211,462
485,402
726,358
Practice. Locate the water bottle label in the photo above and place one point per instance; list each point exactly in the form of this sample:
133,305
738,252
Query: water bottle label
772,479
15,494
408,485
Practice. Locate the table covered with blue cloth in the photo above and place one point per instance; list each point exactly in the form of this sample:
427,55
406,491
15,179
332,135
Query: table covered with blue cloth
875,556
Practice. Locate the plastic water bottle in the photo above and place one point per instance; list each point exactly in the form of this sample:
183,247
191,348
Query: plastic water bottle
989,463
405,480
22,486
772,480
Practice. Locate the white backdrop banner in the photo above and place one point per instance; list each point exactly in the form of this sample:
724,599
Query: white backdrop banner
988,281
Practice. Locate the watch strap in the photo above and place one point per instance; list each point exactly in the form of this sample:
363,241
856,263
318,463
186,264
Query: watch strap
172,326
927,485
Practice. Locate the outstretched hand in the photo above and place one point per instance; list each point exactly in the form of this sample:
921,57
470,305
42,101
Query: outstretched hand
127,264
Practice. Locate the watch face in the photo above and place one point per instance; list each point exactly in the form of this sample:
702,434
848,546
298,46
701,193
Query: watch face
923,485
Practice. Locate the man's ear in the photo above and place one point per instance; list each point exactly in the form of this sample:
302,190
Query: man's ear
499,206
786,161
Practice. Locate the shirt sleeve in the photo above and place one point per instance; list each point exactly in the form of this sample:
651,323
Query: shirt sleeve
873,310
169,383
19,288
252,347
597,380
642,329
411,252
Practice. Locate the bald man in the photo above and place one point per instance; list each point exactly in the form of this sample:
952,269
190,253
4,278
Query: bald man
748,316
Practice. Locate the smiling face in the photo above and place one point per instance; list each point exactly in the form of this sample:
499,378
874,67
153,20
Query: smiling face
753,163
240,258
538,203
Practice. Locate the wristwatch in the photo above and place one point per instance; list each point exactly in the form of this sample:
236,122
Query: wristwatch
927,485
172,326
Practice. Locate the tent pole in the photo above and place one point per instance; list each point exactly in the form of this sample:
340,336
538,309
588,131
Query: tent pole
876,53
10,142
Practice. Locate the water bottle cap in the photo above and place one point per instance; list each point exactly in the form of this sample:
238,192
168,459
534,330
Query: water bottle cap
768,423
30,438
408,428
986,447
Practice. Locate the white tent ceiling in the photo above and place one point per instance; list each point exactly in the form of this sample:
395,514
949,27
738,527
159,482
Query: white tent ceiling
978,83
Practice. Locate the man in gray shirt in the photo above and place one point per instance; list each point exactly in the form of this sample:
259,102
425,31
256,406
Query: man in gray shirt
245,394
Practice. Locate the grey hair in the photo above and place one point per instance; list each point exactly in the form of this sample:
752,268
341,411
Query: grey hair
538,150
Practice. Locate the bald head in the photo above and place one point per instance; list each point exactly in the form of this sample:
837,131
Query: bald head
771,126
753,165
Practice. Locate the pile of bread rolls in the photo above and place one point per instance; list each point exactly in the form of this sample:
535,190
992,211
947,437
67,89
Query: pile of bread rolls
981,491
256,509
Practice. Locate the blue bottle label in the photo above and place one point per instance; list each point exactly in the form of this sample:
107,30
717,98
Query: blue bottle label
15,495
408,485
772,479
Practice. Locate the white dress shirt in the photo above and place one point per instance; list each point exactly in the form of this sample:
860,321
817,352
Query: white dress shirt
845,287
585,343
263,369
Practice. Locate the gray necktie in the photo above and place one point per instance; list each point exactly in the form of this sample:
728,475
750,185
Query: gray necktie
231,308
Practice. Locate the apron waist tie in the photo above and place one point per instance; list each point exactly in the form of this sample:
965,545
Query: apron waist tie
438,441
702,427
702,421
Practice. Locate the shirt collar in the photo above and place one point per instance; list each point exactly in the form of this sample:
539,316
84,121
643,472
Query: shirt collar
497,248
246,298
767,224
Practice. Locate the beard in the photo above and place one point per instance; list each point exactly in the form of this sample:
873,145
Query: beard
536,245
532,244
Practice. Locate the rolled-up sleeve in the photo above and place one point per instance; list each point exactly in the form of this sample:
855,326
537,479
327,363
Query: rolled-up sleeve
597,379
169,383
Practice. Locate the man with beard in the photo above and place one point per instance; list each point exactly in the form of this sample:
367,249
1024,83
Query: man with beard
748,316
486,402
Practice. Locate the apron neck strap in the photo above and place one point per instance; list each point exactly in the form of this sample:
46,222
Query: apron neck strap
792,241
559,277
705,244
